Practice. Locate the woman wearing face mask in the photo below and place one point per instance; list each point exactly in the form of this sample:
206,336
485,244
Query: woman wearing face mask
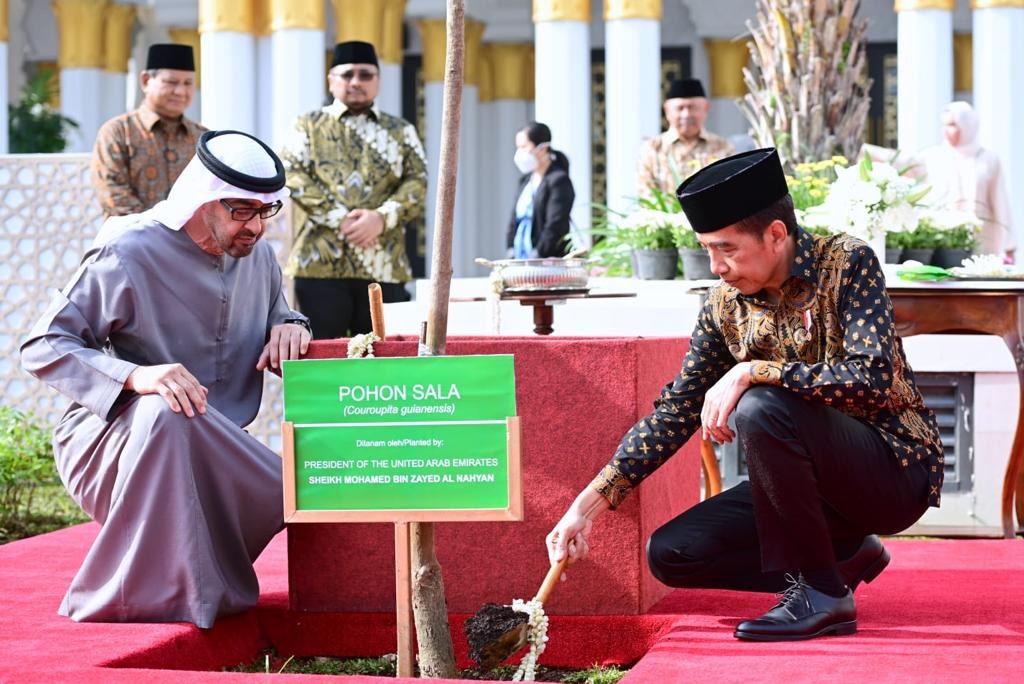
540,218
966,176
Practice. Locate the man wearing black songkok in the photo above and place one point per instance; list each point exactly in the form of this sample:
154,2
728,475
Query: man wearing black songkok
666,160
358,176
139,154
797,344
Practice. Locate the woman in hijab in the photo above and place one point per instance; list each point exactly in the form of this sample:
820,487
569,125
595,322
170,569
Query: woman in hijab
539,226
963,175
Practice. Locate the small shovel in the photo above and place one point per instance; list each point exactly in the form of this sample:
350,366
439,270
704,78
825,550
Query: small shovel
497,631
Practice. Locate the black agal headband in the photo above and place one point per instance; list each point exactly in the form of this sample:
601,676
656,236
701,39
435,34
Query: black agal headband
236,178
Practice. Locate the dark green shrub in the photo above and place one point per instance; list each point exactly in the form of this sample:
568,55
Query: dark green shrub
26,463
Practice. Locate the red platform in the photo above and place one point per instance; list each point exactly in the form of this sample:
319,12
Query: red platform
576,398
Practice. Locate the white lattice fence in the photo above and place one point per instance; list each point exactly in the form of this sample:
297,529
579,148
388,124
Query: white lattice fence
48,217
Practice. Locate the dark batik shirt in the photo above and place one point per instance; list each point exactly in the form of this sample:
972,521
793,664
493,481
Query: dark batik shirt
830,339
138,156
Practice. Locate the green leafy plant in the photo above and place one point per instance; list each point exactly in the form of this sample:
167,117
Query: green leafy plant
33,124
596,675
26,464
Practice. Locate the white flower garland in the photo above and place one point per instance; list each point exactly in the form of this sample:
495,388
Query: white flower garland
981,265
536,635
362,345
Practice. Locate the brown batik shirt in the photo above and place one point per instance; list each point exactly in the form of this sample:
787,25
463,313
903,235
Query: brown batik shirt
138,156
668,160
830,340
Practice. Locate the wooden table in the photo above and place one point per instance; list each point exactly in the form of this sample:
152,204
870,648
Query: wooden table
542,301
970,307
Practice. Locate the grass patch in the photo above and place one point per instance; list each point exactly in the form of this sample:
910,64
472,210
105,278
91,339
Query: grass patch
52,509
384,666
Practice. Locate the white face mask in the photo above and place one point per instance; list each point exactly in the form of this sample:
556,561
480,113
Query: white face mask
525,161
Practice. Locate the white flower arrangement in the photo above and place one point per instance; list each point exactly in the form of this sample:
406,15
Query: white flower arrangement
536,636
983,265
360,346
868,200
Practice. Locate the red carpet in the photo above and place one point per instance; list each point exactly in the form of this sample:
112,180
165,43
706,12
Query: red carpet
943,611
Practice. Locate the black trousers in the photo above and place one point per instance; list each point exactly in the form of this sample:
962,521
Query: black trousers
820,481
340,307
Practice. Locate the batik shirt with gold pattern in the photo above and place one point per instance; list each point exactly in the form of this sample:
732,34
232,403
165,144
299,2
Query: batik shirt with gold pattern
138,156
829,339
668,160
337,161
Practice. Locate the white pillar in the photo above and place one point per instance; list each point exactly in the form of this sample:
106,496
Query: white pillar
4,95
562,77
229,80
632,64
468,224
433,102
924,66
266,98
195,110
389,97
115,92
507,118
999,94
297,87
79,90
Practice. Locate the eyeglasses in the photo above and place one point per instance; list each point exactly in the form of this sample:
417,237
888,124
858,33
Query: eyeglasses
352,74
265,211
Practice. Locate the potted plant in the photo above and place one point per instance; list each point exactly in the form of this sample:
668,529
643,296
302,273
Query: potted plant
955,235
33,124
649,233
695,259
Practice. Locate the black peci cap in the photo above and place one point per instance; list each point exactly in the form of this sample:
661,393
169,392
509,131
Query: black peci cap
732,189
170,56
686,87
354,52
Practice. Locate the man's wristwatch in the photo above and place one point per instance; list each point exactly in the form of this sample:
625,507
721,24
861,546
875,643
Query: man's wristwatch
299,321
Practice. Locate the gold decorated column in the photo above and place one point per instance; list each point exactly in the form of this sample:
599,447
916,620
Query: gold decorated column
118,21
963,63
990,4
434,35
4,35
296,14
393,21
80,28
474,34
226,15
911,5
485,89
359,20
261,12
561,10
726,59
512,70
632,9
188,36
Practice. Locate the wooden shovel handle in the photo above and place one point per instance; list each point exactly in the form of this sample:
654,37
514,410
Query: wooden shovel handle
376,309
550,580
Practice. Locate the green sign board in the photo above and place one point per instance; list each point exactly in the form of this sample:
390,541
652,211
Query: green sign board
400,434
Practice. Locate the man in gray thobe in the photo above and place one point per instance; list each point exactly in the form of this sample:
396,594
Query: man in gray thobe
161,340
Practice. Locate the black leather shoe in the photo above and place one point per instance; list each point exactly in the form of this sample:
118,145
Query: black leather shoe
866,564
803,613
